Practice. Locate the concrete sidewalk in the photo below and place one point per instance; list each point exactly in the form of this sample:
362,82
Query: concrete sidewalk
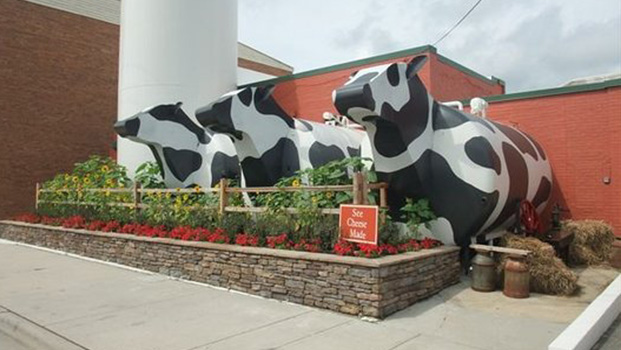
99,306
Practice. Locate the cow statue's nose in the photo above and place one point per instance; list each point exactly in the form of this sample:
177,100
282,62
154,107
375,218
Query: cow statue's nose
125,128
353,96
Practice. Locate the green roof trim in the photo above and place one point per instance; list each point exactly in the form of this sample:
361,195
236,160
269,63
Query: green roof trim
492,81
341,66
551,92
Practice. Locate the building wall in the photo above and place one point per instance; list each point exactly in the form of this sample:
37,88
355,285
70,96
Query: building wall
58,95
580,133
308,97
448,83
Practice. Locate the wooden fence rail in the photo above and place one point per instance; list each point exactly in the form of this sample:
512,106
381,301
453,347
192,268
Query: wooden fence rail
360,192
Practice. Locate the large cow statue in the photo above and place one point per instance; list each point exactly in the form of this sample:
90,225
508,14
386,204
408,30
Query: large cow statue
474,171
185,152
270,143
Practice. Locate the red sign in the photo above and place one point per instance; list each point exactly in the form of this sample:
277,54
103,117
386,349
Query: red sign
358,223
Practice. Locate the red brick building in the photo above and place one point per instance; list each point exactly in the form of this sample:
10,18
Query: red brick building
59,93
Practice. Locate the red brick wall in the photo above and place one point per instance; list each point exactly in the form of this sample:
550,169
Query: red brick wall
449,84
309,97
58,74
580,133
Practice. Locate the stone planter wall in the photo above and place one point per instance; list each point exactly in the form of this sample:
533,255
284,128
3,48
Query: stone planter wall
351,285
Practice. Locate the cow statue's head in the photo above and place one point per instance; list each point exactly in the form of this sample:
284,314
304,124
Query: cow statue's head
158,126
384,92
178,144
243,112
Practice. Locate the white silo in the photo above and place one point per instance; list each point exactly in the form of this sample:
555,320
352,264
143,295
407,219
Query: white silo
170,51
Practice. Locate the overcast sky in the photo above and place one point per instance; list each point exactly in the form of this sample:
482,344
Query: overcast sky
531,44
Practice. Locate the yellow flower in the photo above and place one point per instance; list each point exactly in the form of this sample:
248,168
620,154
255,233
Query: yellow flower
67,177
197,189
87,180
314,199
109,182
104,169
167,194
185,197
107,193
75,179
329,195
159,194
296,183
177,189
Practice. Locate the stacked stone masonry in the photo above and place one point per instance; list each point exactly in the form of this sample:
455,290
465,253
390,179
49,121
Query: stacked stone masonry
350,285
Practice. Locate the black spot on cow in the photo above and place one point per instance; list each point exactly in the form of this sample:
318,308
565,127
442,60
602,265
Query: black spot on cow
518,139
411,120
355,94
393,74
281,160
481,152
388,140
223,166
175,114
353,152
182,163
445,117
518,183
127,127
245,96
320,154
463,205
543,192
217,117
158,159
265,104
542,154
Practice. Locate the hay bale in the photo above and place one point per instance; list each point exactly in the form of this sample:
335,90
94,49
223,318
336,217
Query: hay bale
548,274
592,244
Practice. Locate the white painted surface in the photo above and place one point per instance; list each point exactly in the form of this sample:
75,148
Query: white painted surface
247,76
584,332
172,51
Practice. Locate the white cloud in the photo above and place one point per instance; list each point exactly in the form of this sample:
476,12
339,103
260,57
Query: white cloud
530,44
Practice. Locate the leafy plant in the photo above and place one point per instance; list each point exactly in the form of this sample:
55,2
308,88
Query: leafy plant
416,213
149,175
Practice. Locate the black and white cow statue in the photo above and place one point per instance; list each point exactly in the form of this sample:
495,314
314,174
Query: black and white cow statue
270,143
473,171
186,153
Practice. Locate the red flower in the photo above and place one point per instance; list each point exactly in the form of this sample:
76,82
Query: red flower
343,247
75,221
247,240
428,243
218,236
111,226
369,250
313,245
388,249
278,242
95,225
28,217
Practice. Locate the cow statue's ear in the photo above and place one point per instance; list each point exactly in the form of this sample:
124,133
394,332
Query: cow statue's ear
264,92
415,65
178,106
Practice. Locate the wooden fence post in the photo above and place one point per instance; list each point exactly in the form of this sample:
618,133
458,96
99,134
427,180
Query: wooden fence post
356,185
383,203
365,188
137,194
37,189
223,196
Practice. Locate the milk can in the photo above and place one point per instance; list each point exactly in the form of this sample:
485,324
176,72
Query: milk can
483,273
517,278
